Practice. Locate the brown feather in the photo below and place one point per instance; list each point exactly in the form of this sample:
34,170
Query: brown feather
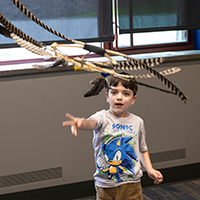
99,84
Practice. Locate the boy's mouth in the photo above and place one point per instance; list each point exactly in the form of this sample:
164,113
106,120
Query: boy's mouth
119,104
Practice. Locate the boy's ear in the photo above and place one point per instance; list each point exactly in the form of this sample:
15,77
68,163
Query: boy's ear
134,99
107,97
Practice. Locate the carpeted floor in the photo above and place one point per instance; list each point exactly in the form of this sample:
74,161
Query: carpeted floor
188,190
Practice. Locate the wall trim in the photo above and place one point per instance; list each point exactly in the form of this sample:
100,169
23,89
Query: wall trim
84,189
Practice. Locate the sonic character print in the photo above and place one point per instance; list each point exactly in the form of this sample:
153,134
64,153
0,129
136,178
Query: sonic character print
116,158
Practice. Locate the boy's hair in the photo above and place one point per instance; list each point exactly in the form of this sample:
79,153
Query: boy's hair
128,84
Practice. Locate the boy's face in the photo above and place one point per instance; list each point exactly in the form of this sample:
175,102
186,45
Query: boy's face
120,99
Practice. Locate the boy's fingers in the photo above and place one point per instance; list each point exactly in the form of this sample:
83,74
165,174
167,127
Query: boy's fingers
79,123
158,179
74,130
69,116
74,123
67,123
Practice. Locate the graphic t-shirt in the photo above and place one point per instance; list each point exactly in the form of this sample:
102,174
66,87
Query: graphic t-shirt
117,143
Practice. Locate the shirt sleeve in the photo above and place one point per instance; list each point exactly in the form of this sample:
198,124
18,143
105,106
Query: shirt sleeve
99,117
142,139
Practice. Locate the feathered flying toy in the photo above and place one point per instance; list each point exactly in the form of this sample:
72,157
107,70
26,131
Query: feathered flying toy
105,68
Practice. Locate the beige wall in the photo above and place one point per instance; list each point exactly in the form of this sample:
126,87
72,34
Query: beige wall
33,108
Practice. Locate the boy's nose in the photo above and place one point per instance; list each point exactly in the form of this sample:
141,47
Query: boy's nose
119,96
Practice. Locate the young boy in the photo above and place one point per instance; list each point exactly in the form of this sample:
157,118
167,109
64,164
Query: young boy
119,144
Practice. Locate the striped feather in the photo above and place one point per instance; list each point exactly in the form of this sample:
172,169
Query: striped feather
136,64
166,72
13,29
151,62
55,64
29,46
42,66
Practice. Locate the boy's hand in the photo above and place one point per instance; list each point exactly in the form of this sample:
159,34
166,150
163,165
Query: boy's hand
156,176
74,122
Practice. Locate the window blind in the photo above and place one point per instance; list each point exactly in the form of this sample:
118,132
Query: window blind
88,21
158,15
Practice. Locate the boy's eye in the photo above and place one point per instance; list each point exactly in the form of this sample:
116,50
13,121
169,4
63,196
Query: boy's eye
113,92
126,94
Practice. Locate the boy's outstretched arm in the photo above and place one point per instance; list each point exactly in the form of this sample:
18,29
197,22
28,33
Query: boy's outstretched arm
152,173
79,123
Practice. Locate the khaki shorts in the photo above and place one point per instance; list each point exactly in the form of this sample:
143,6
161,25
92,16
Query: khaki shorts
128,191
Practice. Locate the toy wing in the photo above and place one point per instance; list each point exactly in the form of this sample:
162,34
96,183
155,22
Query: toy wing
30,44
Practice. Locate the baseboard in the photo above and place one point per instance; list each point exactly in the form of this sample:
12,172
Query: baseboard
175,174
84,189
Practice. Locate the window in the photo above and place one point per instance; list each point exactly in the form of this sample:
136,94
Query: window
102,25
89,21
152,38
151,26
